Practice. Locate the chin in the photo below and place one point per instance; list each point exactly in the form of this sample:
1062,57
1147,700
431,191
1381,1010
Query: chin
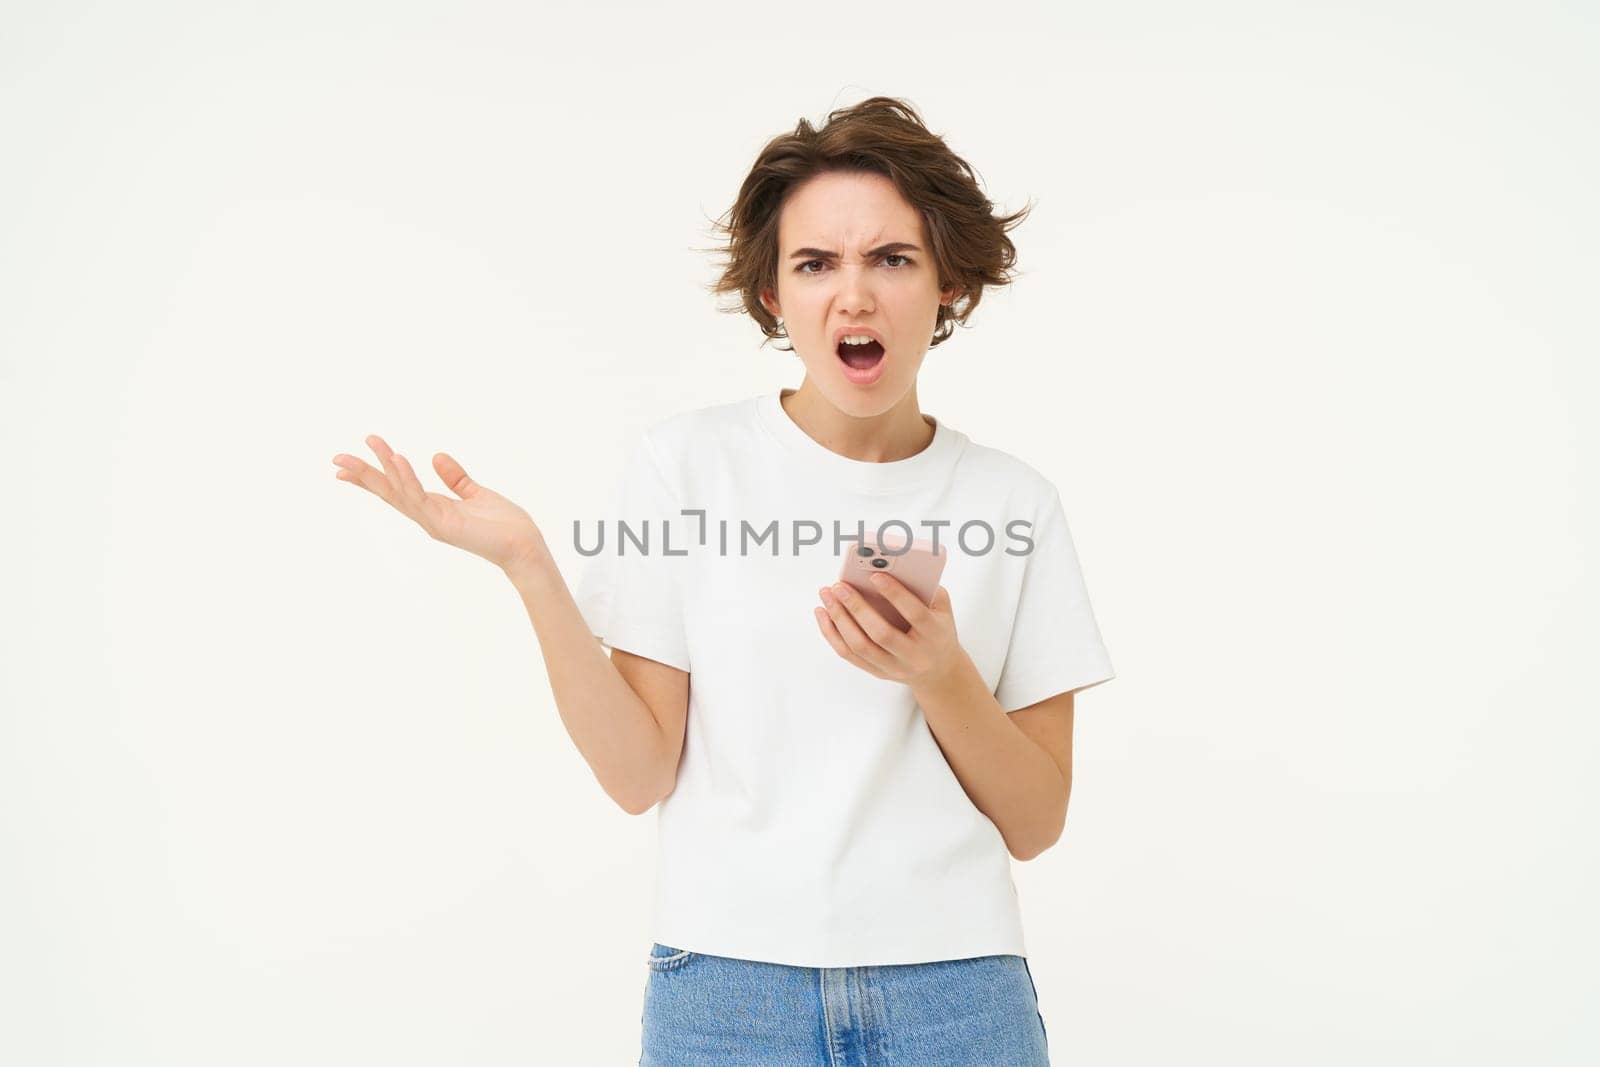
865,401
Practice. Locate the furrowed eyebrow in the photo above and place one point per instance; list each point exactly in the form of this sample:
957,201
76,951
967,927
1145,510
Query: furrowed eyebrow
881,250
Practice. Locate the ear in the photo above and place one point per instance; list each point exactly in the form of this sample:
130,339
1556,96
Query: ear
949,293
770,302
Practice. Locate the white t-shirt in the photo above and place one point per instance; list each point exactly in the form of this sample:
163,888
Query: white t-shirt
815,821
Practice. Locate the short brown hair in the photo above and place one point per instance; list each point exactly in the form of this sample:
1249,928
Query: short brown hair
881,135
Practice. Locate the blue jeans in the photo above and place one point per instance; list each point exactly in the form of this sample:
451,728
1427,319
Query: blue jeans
702,1011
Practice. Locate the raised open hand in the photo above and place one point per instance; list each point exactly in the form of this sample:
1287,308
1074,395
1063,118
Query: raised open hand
483,522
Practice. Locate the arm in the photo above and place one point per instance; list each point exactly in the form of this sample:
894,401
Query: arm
1016,767
625,713
1018,781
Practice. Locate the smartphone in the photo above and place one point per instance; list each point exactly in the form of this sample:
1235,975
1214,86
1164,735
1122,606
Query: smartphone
917,567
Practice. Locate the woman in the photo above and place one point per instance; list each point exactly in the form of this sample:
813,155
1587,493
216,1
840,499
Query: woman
839,798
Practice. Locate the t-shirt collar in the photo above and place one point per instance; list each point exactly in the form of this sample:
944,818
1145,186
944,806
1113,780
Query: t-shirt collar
931,463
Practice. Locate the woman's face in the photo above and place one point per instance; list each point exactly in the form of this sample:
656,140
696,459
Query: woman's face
853,258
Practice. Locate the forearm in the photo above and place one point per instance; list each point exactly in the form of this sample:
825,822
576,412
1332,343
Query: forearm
1009,778
613,728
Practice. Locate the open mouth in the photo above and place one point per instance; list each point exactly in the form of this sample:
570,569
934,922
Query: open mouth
860,357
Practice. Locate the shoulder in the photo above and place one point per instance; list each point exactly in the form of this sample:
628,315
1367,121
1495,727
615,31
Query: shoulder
1022,483
696,423
682,434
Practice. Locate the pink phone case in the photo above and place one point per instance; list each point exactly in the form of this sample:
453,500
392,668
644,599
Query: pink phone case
917,568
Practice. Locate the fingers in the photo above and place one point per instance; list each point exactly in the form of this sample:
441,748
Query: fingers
907,603
830,633
855,620
379,446
362,474
396,484
391,470
454,478
878,629
410,488
382,483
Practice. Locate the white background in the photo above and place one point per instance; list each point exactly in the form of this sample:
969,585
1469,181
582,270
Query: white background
1305,318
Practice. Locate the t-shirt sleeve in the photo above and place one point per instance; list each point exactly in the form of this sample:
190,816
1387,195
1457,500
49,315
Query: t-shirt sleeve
634,600
1055,641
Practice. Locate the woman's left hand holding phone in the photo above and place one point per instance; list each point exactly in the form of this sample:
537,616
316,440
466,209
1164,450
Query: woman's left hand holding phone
858,633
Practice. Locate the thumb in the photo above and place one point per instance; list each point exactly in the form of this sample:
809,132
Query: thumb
454,476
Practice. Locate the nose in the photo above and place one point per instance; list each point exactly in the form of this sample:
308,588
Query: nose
855,289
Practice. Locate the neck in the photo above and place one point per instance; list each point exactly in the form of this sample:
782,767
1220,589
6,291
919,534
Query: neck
898,433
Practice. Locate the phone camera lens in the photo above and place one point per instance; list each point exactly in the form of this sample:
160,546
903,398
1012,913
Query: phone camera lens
880,562
863,550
